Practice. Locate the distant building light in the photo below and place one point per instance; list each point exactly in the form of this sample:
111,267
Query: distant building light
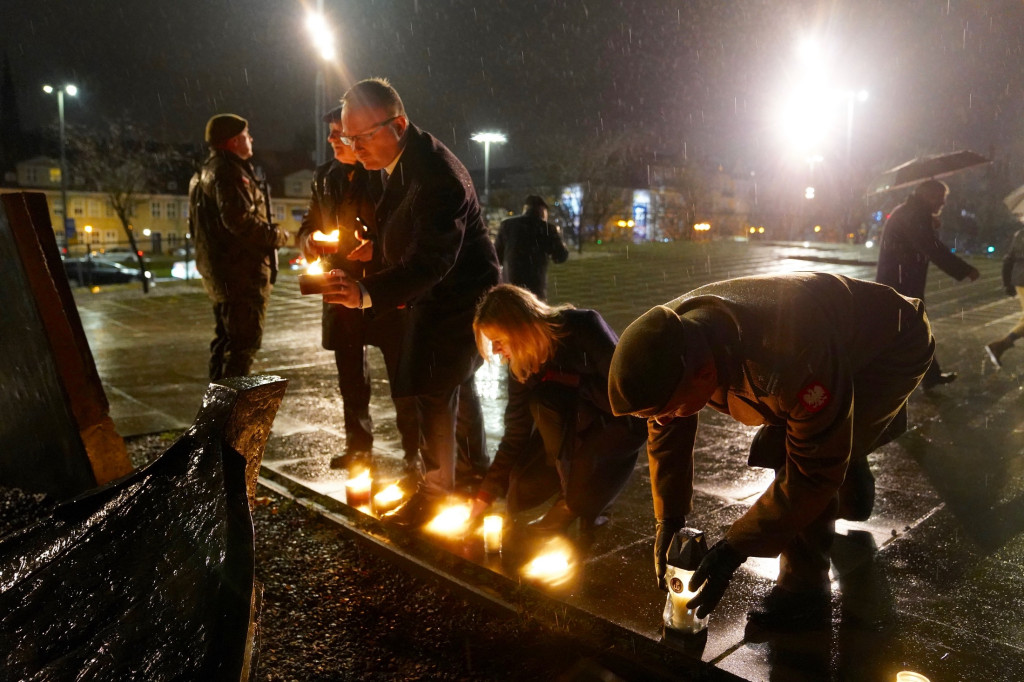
809,193
702,227
146,232
991,249
753,230
760,230
817,228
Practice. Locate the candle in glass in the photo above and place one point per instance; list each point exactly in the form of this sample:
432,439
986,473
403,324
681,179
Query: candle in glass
492,533
357,490
327,243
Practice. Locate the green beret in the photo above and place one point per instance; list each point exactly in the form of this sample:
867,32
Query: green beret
223,127
649,362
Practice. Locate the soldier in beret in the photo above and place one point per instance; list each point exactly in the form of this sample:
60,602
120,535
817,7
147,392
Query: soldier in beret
235,244
825,364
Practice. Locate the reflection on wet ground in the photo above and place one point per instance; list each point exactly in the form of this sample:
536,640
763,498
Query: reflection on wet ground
933,582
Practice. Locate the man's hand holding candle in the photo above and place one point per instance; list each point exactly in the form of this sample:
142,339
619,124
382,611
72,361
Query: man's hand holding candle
342,289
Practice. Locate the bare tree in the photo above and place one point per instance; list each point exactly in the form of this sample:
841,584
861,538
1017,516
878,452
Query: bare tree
601,167
122,163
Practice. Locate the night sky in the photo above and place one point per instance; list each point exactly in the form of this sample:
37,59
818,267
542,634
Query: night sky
693,77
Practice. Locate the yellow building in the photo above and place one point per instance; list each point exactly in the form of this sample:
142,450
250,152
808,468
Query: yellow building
160,221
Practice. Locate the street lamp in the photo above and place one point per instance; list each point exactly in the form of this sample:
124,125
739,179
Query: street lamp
488,138
323,41
72,91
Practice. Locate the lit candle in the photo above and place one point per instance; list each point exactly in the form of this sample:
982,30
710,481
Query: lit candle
909,676
492,533
327,243
677,616
553,566
357,490
387,499
312,281
451,521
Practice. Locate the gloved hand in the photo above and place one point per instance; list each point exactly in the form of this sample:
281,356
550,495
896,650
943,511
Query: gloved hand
1011,291
662,538
717,569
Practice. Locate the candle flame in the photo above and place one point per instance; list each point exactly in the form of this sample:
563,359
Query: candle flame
910,676
315,268
553,566
451,521
332,236
361,483
387,497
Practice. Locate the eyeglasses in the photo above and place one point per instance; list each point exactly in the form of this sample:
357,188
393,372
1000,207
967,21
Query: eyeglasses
350,140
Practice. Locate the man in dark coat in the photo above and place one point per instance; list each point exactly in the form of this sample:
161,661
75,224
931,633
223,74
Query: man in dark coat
339,200
825,363
437,261
910,241
235,244
524,245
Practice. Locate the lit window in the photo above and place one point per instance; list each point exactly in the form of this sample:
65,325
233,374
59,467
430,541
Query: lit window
78,208
55,176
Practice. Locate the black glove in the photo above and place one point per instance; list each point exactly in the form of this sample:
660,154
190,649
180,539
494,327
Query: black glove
662,538
1011,291
717,569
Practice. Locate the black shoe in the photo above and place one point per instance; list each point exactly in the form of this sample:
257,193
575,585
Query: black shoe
785,611
557,519
414,468
943,378
414,513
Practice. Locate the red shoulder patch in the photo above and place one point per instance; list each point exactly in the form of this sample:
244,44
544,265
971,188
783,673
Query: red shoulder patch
814,396
245,180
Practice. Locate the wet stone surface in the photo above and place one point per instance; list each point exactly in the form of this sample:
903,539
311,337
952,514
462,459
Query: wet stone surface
929,583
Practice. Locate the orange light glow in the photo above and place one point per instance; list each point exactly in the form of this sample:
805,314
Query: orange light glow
451,521
332,236
315,268
388,498
554,565
357,490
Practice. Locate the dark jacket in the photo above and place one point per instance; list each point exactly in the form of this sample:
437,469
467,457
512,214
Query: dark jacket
234,237
1013,264
909,242
339,200
795,350
524,244
581,359
436,260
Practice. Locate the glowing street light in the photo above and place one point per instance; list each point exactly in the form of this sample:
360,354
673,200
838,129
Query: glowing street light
72,91
487,138
323,41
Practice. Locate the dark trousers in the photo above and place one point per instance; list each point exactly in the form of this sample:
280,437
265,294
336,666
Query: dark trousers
437,414
470,436
593,452
353,366
881,394
238,333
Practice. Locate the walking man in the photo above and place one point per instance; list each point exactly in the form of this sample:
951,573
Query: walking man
524,245
236,244
910,241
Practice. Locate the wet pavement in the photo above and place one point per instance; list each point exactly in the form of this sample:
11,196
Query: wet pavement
933,582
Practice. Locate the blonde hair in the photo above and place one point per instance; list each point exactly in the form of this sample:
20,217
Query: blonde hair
531,326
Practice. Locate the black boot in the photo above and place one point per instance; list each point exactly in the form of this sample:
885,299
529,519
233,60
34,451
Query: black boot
414,513
557,519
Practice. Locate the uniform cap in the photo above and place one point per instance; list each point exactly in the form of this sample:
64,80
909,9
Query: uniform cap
223,127
649,362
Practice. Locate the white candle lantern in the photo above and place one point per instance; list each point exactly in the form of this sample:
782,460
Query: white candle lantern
685,552
493,524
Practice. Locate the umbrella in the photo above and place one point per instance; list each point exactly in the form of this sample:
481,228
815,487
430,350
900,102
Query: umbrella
1015,201
927,167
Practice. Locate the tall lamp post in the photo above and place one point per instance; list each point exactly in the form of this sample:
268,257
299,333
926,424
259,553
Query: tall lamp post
323,41
487,139
72,91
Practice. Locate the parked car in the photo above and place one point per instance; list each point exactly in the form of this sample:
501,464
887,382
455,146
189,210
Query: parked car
87,271
185,270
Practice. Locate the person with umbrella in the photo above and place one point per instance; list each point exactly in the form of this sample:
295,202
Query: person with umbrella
910,241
